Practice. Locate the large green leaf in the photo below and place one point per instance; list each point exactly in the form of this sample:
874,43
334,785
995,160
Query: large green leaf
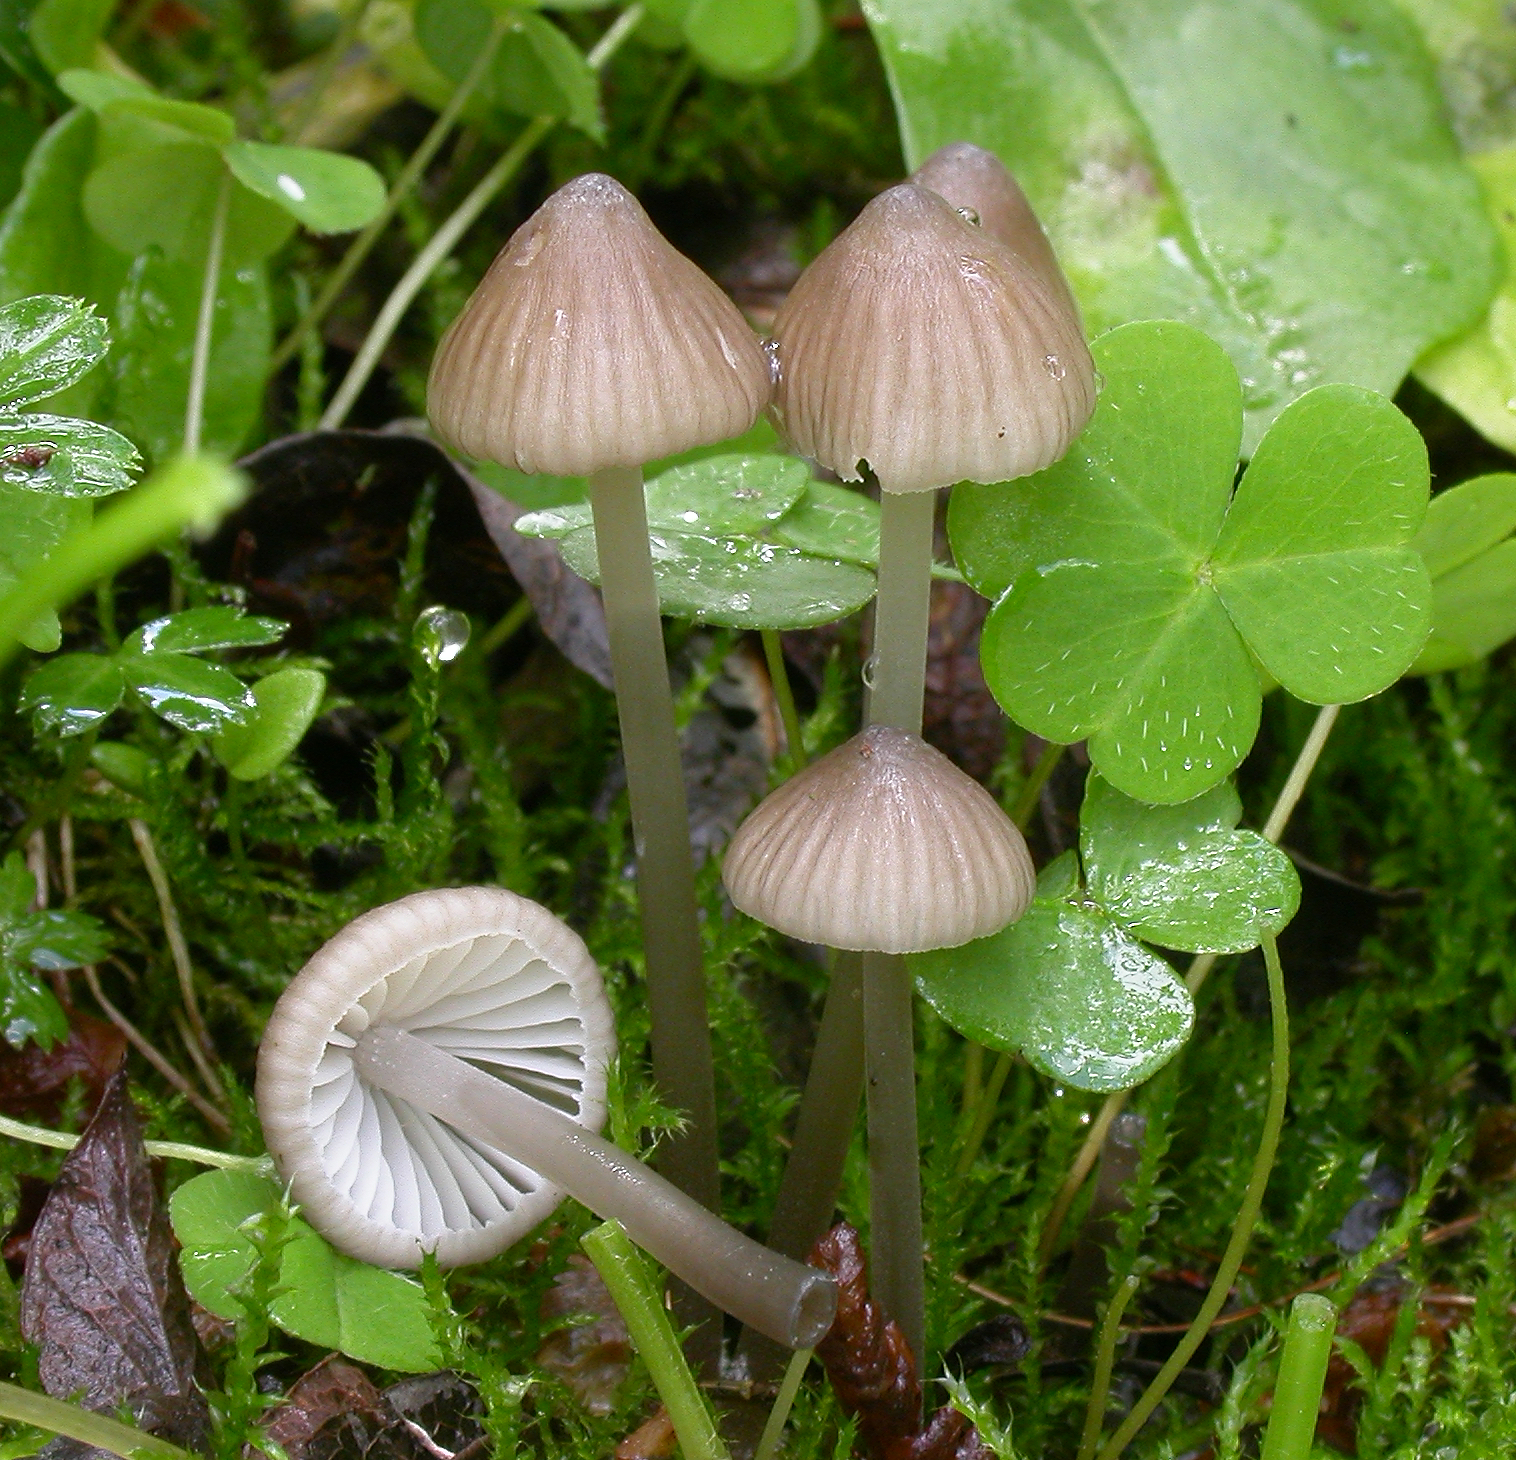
325,191
324,1297
47,342
1066,987
1184,876
64,33
1137,591
64,456
1260,169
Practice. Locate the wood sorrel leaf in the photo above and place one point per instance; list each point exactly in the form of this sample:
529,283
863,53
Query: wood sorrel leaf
753,40
47,342
1134,591
1082,1000
327,192
194,630
1289,186
188,692
72,693
34,525
64,456
287,702
324,1297
1183,876
832,522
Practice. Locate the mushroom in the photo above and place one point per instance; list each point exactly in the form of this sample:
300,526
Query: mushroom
433,1080
590,348
931,350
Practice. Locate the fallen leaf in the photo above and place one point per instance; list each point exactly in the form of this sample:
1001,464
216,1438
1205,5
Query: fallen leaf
102,1298
591,1358
34,1081
998,1342
653,1439
333,1390
444,1408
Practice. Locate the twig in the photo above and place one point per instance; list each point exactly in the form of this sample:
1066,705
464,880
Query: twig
145,1048
178,948
200,360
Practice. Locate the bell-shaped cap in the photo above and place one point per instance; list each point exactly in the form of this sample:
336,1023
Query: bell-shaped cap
975,180
883,846
479,972
928,348
592,342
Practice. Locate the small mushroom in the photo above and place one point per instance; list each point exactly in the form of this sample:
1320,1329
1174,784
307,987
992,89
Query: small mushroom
433,1080
882,846
591,347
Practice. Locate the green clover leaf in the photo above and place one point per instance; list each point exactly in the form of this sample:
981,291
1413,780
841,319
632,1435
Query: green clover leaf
1136,591
47,343
1071,985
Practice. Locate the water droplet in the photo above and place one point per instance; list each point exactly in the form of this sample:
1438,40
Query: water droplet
289,187
1054,366
1346,58
969,216
1099,381
741,602
771,349
530,249
440,634
869,666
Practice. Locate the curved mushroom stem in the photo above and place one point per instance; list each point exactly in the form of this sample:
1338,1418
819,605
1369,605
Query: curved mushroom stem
785,1300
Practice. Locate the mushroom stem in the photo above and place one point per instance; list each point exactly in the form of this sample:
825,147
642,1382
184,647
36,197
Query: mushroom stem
901,611
785,1300
682,1064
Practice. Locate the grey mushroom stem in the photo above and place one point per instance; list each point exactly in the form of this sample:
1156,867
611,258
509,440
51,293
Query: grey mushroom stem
785,1300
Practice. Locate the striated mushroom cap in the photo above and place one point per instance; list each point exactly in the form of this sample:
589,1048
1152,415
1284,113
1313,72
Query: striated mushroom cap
930,349
486,976
882,846
592,342
970,177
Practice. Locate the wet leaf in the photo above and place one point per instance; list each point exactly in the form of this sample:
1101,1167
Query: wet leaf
65,457
195,630
73,692
326,1298
286,703
325,191
1286,183
34,1082
832,522
102,1298
47,342
187,692
332,1410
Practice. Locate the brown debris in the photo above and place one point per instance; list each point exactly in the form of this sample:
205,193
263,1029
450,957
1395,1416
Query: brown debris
333,1390
591,1358
653,1439
34,1081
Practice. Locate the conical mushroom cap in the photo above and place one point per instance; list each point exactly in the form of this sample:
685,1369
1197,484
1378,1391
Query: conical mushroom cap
883,846
930,349
592,342
486,976
970,177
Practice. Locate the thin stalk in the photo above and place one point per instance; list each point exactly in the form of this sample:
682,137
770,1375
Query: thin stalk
901,614
1195,977
28,1407
1031,792
984,1113
773,1429
641,1304
62,1140
442,243
898,1279
1302,1375
178,948
1105,1361
681,1045
1247,1216
506,627
139,1041
200,359
341,43
779,677
400,189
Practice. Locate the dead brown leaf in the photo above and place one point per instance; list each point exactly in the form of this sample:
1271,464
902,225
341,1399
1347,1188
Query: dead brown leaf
34,1081
591,1358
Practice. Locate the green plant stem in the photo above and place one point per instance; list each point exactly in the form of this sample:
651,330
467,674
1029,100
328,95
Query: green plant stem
187,492
62,1140
1031,792
505,628
205,320
341,43
1247,1215
897,1280
1105,1361
779,677
46,1413
445,239
400,189
638,1298
984,1113
1194,978
675,957
773,1429
1302,1375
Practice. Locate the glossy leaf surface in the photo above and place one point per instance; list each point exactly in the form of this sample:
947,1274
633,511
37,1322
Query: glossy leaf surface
325,191
73,693
188,692
1288,185
64,456
47,342
325,1297
834,522
194,630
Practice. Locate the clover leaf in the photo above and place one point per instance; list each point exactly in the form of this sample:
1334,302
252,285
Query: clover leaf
47,343
33,940
1135,590
1071,985
1467,544
286,702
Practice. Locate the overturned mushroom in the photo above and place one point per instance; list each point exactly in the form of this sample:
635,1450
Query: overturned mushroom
433,1080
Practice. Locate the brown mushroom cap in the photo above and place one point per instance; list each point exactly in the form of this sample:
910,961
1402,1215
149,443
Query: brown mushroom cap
930,349
883,846
972,178
592,342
